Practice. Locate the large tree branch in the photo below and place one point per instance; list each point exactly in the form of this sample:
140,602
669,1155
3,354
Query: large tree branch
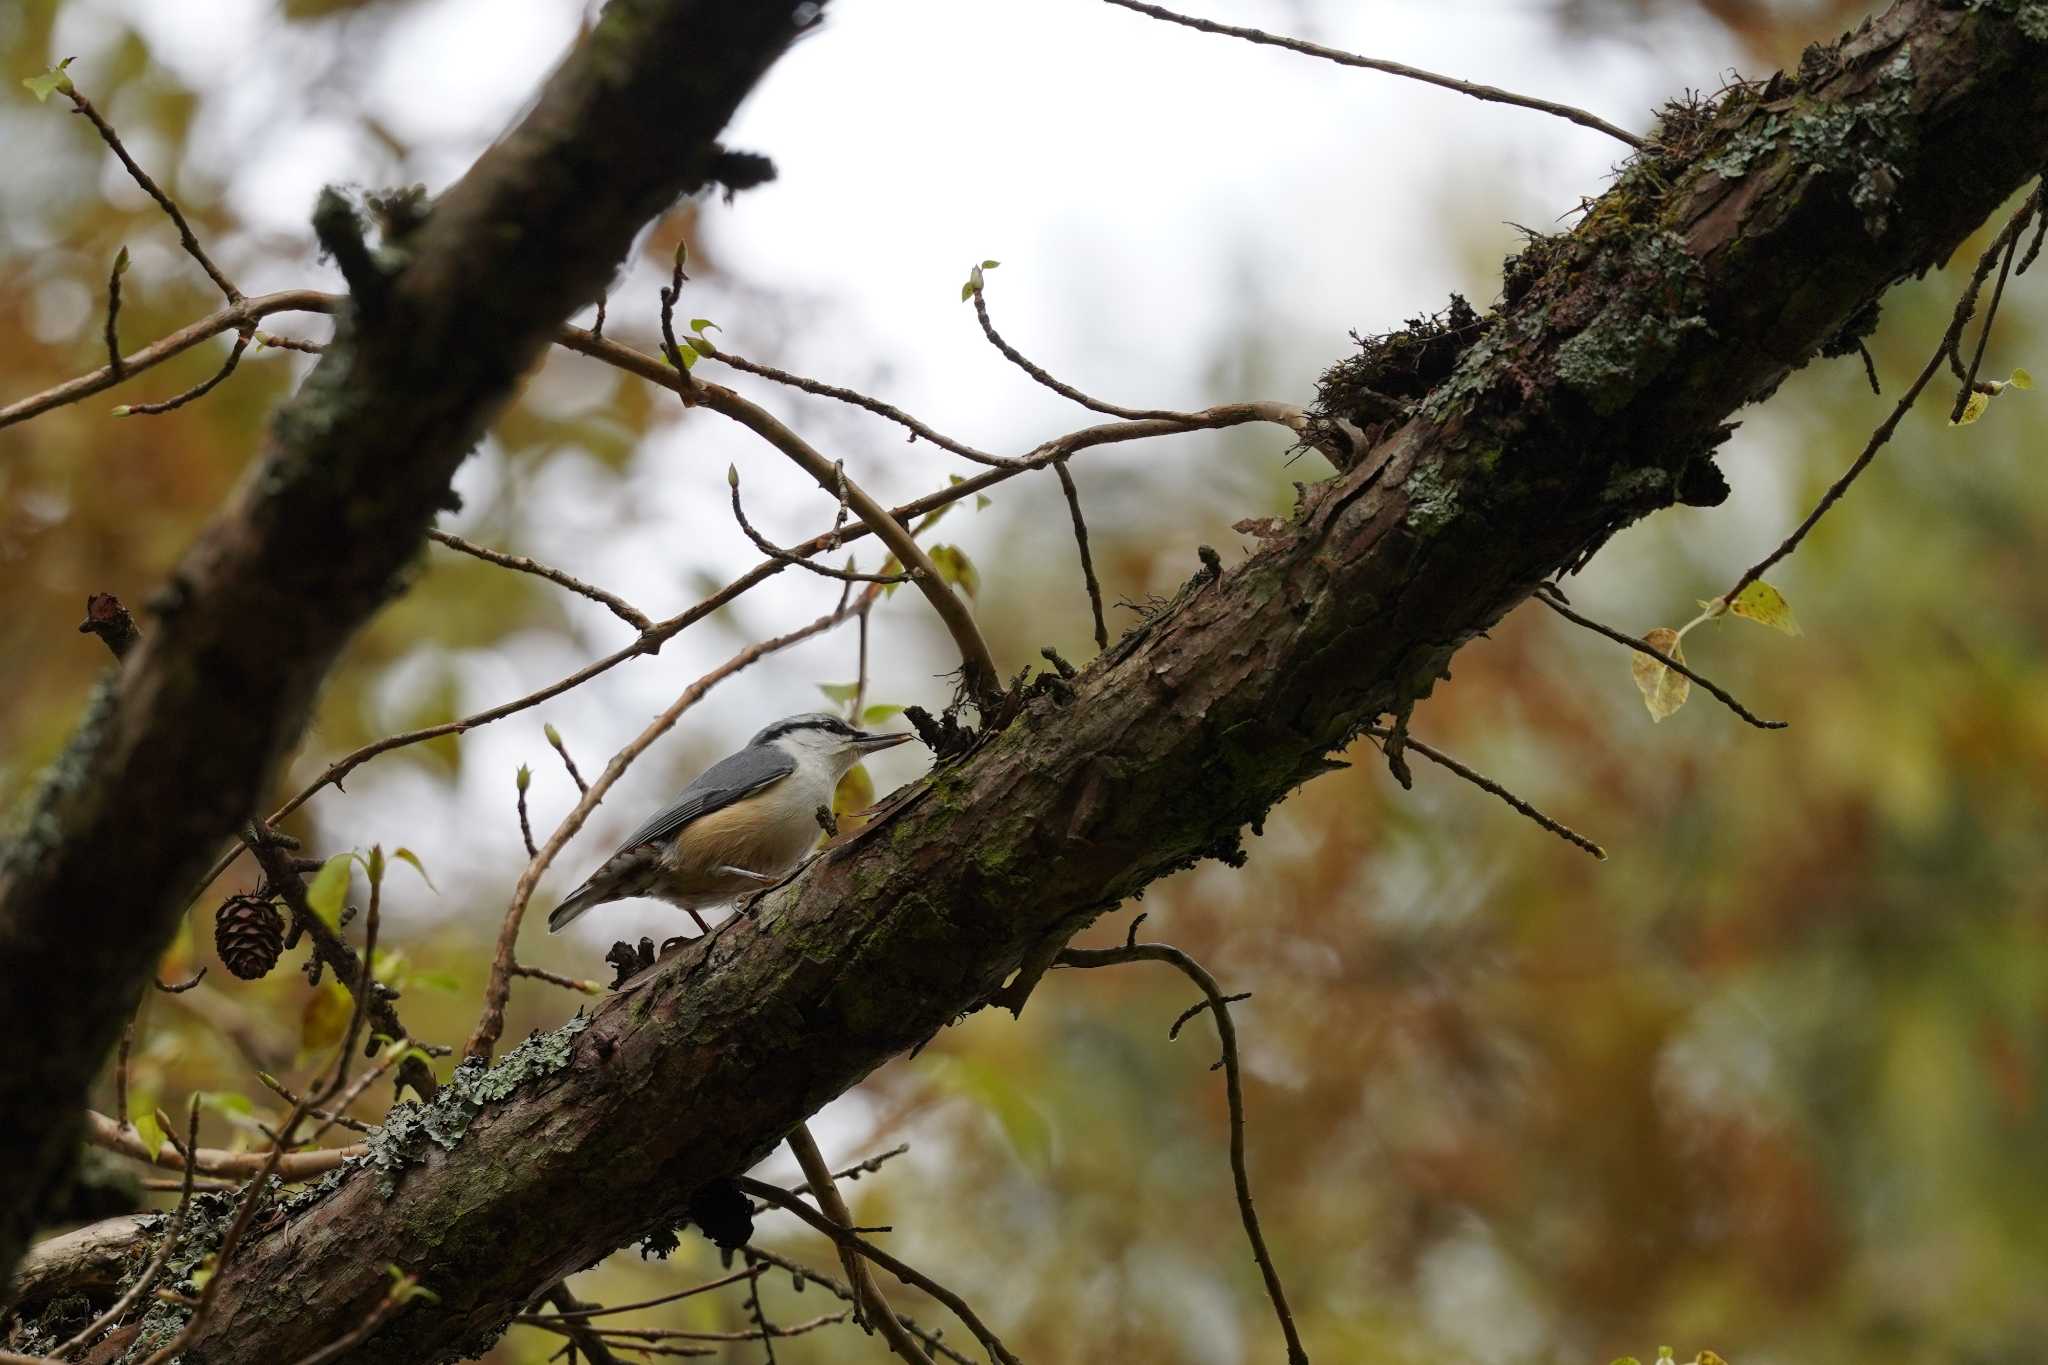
1593,396
176,748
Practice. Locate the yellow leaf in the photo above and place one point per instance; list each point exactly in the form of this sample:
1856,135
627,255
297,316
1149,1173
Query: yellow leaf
325,1018
854,794
1973,409
1765,605
1663,689
2021,380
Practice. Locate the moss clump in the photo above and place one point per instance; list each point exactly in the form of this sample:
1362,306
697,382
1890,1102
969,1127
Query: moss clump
1393,369
410,1128
1653,300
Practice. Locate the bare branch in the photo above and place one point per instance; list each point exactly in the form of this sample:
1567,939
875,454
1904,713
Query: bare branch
122,1139
782,1199
1491,94
886,411
1064,390
1487,784
873,1311
929,1339
1226,1031
197,391
1087,560
618,606
186,238
776,552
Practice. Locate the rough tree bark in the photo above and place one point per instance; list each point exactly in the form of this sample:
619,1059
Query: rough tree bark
1724,258
177,747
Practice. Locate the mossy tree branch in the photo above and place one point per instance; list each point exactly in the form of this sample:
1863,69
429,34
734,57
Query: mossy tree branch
177,747
1593,396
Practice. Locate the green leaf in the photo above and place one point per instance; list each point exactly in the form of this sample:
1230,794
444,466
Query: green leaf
840,692
330,889
121,262
374,864
325,1018
1664,690
406,855
1023,1123
228,1103
981,500
879,712
704,325
2021,380
50,82
891,565
990,265
955,567
967,291
151,1132
448,983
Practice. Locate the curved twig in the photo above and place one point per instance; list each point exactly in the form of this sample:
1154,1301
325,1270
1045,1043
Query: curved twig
123,1140
1489,93
1064,390
197,391
612,602
1226,1031
886,411
797,561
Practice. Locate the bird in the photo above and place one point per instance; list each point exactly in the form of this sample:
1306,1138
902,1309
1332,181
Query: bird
744,824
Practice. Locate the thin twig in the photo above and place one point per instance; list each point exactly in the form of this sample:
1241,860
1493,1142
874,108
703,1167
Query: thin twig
179,987
1087,560
554,738
859,1168
887,411
612,602
519,782
758,1311
186,238
1547,596
285,1093
783,1199
568,983
1226,1031
1491,94
873,1311
1487,784
1969,384
776,552
146,1281
588,1341
113,331
1064,390
588,1311
230,319
1965,305
805,1274
197,391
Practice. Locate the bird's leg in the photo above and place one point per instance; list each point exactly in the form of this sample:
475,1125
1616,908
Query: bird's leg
761,877
747,903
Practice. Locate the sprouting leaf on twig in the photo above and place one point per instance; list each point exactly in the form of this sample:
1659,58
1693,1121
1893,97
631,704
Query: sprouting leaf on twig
1664,690
1988,389
50,82
973,285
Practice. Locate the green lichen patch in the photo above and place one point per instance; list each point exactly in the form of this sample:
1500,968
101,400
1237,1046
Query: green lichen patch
411,1128
1653,301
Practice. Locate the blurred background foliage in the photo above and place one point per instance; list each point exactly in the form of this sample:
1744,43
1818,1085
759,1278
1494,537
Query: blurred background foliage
1768,1080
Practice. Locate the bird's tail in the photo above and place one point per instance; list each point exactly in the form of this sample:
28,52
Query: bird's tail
579,900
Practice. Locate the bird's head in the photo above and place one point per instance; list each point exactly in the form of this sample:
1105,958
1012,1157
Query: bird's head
821,736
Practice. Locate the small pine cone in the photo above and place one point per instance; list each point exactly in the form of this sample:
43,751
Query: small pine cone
248,933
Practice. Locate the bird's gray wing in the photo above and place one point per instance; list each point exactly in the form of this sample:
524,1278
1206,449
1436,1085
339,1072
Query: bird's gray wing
723,783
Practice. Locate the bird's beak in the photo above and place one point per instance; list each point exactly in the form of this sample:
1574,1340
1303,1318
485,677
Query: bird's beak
870,744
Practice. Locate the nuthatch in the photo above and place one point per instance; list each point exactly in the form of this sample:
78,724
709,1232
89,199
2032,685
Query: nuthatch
744,824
